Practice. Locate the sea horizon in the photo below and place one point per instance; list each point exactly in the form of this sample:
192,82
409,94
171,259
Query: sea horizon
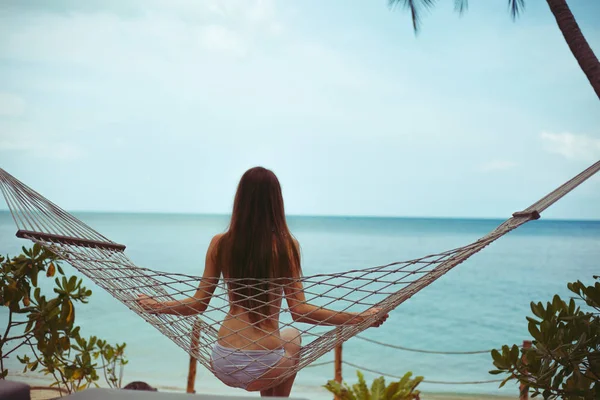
317,216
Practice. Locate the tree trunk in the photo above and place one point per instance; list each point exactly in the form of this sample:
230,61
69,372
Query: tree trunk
579,46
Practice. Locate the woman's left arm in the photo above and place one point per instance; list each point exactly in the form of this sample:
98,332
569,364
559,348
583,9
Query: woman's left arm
199,301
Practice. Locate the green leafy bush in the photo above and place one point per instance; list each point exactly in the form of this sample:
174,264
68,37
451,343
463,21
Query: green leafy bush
564,359
404,389
46,324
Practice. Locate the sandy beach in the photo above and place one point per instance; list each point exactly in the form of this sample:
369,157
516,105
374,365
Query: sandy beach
40,391
47,394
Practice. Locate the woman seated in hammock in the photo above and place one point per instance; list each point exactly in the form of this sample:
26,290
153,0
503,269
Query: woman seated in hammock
251,352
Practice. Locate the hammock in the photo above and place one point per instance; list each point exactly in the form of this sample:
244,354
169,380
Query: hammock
105,263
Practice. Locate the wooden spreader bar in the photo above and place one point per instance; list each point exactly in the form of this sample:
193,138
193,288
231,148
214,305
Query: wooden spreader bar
69,240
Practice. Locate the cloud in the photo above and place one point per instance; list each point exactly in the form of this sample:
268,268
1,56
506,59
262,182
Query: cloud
182,59
572,146
222,39
497,165
10,145
154,33
38,145
11,105
61,151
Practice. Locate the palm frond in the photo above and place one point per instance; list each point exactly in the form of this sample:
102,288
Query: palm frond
415,7
516,7
461,6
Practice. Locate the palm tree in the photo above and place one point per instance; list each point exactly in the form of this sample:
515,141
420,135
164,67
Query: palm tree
564,18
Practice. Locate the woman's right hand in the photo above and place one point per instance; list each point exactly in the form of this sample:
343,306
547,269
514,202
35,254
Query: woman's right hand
370,314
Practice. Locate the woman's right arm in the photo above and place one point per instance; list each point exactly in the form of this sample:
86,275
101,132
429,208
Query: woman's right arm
308,313
302,311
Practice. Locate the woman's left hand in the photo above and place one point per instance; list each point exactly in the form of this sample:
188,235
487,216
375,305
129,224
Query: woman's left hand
148,303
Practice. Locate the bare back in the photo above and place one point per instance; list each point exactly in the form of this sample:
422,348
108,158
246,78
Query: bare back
237,329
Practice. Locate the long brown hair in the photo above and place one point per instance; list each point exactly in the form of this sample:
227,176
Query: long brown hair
258,244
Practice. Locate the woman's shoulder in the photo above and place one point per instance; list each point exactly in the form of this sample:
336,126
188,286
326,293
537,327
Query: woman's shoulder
214,245
216,239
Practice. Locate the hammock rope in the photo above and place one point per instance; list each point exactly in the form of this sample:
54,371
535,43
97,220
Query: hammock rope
393,346
105,263
374,371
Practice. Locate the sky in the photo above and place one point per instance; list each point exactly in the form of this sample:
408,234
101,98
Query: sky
161,105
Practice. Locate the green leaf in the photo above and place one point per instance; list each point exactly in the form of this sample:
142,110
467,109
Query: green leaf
71,284
34,275
498,359
557,302
391,390
378,389
580,341
514,354
537,309
534,331
363,390
571,306
506,380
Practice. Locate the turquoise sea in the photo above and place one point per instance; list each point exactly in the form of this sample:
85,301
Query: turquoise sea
481,304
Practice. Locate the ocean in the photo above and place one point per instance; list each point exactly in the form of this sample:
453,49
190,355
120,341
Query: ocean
479,305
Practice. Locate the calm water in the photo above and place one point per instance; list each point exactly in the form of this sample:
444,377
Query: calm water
479,305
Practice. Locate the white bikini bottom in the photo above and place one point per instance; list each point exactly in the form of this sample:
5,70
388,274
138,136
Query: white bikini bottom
239,368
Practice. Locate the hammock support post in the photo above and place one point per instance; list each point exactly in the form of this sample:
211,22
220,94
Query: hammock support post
194,347
523,388
337,365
